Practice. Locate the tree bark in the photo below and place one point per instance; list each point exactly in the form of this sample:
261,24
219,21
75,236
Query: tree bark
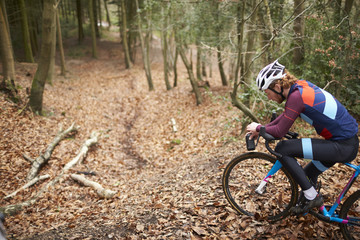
7,58
79,13
192,78
175,66
124,36
93,28
25,30
239,65
145,53
348,6
251,40
165,49
107,14
48,31
60,43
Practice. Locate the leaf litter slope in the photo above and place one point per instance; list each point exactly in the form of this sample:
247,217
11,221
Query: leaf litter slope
168,183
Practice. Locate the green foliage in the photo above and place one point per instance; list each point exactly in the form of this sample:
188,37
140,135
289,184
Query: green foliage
260,104
333,58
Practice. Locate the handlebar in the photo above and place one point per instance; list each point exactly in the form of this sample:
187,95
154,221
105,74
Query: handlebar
250,144
268,138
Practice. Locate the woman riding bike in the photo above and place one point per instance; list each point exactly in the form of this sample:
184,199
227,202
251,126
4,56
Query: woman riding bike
326,114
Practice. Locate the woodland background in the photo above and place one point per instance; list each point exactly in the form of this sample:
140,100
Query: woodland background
167,87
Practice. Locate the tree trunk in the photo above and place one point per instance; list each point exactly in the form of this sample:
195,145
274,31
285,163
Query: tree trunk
299,51
192,78
51,71
48,30
107,14
237,82
251,40
221,67
198,60
165,49
124,35
93,29
348,6
79,20
145,54
175,66
61,48
337,11
26,35
220,61
7,58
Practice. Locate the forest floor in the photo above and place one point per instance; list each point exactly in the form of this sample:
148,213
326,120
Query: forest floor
168,183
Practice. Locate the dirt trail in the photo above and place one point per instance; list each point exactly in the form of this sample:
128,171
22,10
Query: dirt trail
168,183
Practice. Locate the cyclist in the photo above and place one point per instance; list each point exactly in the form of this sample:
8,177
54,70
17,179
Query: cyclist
325,113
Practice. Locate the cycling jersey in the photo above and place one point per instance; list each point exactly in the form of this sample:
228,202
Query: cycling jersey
319,108
329,117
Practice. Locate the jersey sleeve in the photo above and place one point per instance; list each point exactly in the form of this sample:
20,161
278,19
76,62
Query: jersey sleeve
293,107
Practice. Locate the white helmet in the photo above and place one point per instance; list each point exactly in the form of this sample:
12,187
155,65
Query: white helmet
270,73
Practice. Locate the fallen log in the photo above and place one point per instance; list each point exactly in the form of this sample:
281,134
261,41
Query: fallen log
40,161
102,192
29,184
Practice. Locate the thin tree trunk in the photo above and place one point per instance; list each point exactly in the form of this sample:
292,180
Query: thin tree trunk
198,60
221,67
48,30
192,78
234,98
95,17
79,20
107,14
145,53
124,36
61,48
251,40
26,35
175,66
93,29
51,71
165,50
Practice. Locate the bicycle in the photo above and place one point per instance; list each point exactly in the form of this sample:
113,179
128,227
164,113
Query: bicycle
255,184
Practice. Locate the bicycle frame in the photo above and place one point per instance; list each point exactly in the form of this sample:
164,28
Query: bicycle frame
328,214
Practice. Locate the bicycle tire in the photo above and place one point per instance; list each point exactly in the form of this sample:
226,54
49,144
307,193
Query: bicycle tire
350,210
244,173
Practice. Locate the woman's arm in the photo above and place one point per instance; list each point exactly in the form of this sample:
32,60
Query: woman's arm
281,125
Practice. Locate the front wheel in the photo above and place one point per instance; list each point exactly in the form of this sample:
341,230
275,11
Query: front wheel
350,211
242,177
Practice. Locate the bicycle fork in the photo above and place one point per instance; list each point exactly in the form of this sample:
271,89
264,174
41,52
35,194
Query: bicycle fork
262,186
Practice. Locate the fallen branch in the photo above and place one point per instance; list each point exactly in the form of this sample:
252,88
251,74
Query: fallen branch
13,209
32,182
82,154
102,192
40,161
173,123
